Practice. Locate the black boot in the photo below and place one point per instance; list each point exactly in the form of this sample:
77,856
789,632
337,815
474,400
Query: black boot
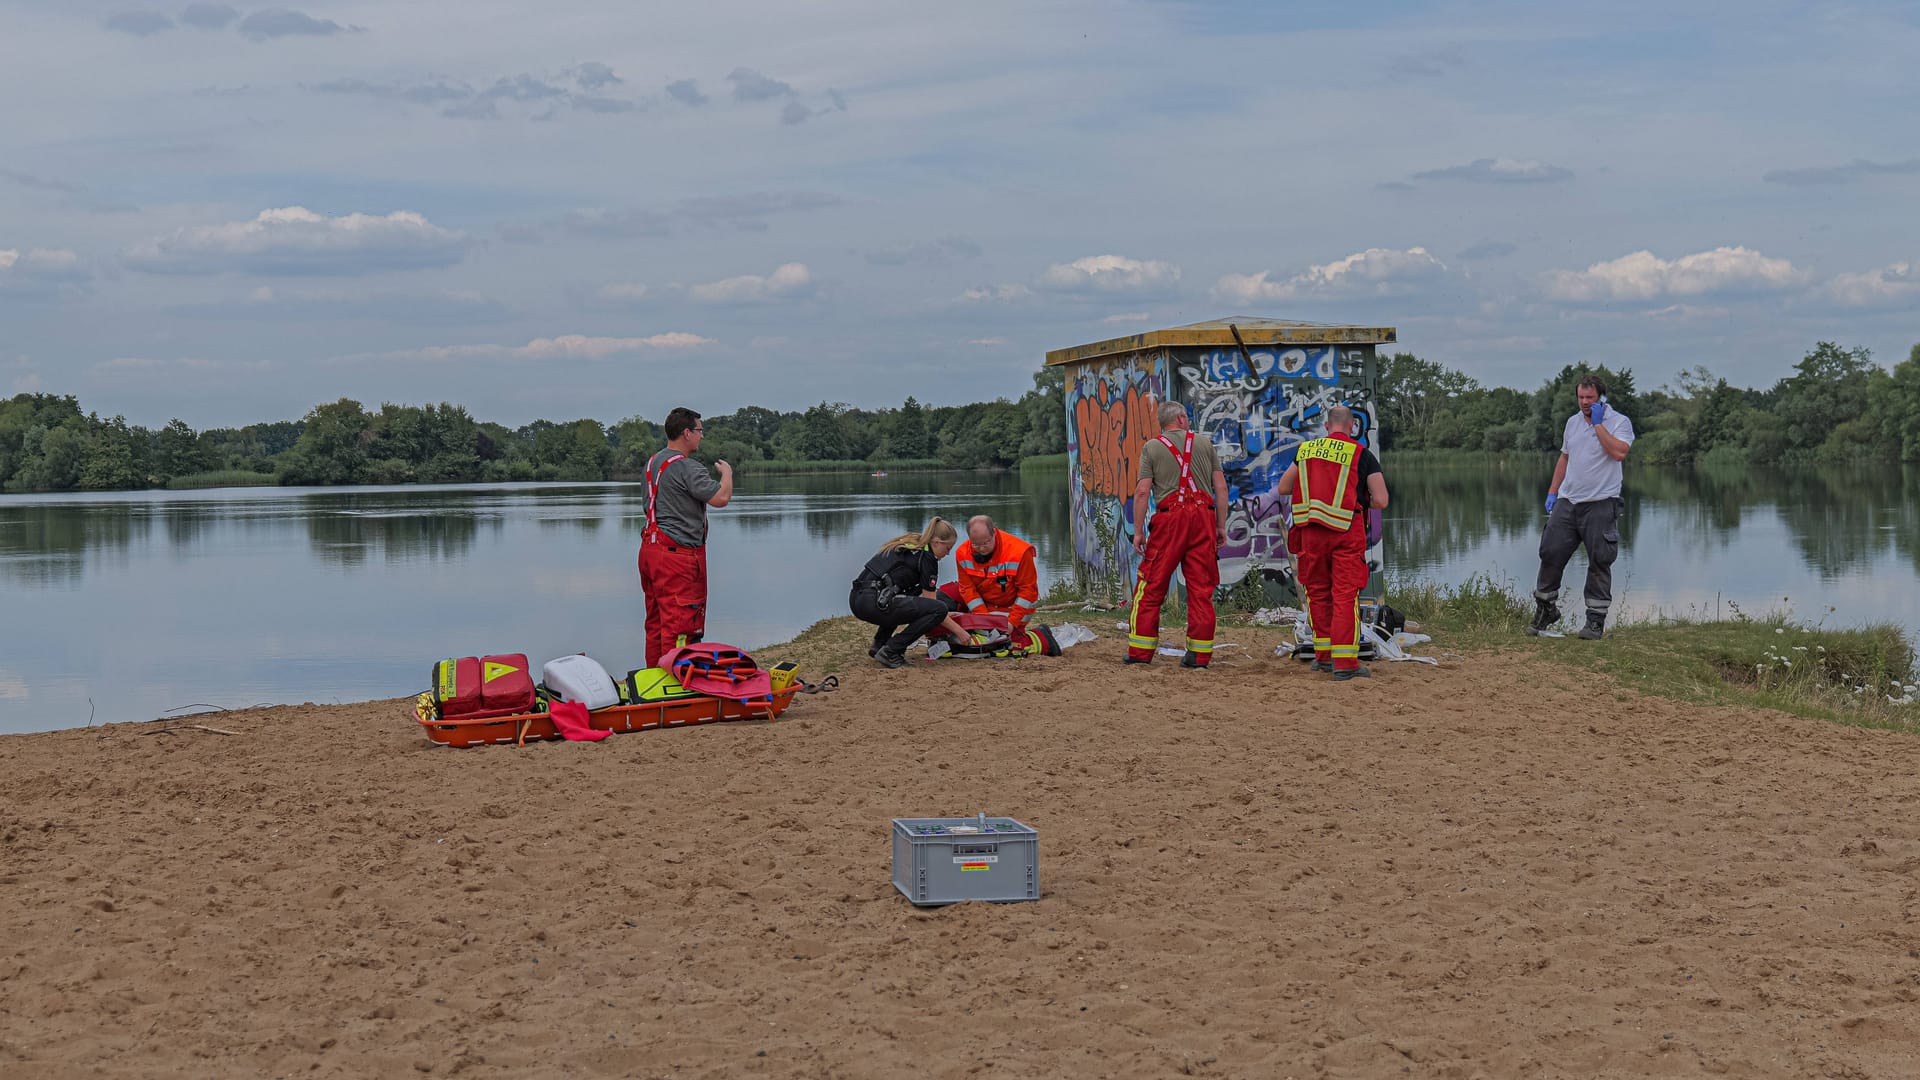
1545,614
1349,674
1596,627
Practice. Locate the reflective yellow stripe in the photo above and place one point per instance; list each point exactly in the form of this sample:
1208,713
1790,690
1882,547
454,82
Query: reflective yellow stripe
1139,642
1346,650
1025,603
976,604
1199,646
1309,510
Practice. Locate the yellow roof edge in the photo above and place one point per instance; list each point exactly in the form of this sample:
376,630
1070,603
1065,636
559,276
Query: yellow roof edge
1252,335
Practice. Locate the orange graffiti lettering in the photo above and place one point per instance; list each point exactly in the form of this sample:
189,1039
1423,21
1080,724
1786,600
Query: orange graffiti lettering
1112,428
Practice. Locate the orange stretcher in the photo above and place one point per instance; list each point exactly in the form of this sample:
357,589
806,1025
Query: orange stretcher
536,727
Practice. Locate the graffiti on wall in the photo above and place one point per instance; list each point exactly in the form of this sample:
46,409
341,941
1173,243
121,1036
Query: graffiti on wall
1110,414
1257,408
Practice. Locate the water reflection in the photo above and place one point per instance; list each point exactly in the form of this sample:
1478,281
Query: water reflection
146,601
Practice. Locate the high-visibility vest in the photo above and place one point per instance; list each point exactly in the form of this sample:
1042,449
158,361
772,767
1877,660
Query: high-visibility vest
653,532
1326,488
1187,491
1004,581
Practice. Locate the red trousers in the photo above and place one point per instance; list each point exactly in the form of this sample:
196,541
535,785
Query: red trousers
1331,566
1181,537
674,578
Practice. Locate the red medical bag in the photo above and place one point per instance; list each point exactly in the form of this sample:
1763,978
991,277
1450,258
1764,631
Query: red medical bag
476,686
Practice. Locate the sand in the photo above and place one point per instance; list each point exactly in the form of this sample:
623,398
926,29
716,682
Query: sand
1493,868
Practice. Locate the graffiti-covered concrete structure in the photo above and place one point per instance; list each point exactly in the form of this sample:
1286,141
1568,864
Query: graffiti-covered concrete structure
1257,387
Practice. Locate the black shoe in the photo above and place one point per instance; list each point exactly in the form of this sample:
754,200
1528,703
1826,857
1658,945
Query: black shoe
1545,614
1191,660
1320,665
888,659
1349,674
1134,660
1596,627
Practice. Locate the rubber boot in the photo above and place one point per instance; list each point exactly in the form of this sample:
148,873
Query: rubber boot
1349,674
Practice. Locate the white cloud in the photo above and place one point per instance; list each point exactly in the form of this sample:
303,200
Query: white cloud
1644,276
563,347
1127,317
988,342
40,271
996,294
295,240
1894,285
1111,274
787,281
44,262
1500,171
1373,272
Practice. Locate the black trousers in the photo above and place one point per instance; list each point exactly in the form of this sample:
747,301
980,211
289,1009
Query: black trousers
917,613
1593,525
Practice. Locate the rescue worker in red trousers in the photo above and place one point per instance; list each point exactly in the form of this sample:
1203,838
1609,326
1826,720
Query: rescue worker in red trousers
1189,525
673,549
996,574
1334,481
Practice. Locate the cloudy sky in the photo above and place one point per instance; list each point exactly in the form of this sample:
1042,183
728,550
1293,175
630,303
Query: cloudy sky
227,213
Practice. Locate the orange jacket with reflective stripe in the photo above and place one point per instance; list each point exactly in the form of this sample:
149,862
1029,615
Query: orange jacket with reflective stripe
1005,580
1326,486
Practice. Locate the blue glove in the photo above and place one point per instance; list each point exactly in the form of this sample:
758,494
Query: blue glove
1598,411
1552,497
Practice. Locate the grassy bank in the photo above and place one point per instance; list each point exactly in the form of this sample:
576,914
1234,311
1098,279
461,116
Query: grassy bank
1862,675
1859,675
220,479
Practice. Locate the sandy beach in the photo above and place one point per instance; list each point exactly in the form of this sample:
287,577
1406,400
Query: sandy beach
1494,868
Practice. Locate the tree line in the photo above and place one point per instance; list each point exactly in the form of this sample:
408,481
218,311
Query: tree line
48,444
1837,406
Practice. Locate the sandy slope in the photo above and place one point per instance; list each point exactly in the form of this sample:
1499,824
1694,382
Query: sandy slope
1480,870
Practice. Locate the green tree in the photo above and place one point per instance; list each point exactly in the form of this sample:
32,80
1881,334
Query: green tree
51,457
821,434
1045,407
1896,407
1828,387
1413,395
177,452
114,458
909,437
332,448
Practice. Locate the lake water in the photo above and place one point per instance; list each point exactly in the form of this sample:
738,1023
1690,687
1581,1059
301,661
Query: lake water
148,602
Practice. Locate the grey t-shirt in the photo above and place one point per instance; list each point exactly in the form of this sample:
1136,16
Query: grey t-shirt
680,508
1591,474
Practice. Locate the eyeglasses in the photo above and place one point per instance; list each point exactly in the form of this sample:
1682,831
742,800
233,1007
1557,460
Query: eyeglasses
697,429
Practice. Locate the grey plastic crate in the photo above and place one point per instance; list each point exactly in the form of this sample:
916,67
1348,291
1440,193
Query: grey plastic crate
947,860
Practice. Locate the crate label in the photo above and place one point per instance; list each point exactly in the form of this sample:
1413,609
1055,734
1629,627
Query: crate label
969,863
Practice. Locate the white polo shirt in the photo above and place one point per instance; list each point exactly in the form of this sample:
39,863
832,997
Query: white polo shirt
1591,474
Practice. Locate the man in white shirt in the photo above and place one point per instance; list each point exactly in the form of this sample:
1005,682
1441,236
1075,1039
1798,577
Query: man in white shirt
1583,509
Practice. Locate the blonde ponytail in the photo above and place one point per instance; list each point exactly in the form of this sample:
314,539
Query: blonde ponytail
938,529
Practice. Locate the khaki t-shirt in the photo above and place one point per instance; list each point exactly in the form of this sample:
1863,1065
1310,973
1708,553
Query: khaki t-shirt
1158,462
